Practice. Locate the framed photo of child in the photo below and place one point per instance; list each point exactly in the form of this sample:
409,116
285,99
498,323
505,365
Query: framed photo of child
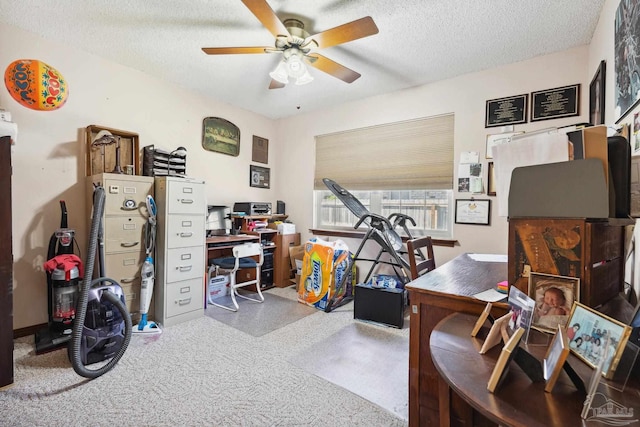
554,296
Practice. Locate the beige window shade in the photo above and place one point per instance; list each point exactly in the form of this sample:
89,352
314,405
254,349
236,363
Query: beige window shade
416,154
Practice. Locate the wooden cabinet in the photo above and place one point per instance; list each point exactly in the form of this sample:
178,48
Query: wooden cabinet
282,263
180,249
589,249
6,266
124,222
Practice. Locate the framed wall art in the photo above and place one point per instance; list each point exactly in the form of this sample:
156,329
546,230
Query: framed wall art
472,211
626,57
555,103
259,176
260,151
597,96
220,136
511,110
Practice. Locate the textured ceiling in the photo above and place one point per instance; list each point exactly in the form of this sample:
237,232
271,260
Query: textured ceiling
419,41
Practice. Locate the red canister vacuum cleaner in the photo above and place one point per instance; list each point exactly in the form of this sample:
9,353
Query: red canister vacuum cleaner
64,271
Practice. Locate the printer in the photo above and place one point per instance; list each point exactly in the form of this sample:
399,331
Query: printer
252,208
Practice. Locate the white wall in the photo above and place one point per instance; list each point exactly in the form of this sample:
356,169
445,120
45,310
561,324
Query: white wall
48,160
49,157
465,96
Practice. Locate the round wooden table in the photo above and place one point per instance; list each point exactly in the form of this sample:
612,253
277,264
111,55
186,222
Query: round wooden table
518,401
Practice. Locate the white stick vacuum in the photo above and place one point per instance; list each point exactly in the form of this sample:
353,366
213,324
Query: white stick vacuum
148,275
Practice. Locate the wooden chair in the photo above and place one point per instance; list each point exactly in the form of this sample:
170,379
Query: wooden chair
419,262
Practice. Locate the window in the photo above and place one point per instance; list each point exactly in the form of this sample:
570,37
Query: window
404,167
430,209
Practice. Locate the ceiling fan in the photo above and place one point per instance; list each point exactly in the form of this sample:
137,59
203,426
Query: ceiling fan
297,46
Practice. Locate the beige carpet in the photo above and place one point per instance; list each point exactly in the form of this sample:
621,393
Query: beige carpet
198,373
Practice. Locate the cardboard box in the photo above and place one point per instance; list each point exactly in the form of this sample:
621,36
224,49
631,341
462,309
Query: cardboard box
286,228
296,254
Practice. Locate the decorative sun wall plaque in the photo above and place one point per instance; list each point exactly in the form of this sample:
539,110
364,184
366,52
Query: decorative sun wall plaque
221,136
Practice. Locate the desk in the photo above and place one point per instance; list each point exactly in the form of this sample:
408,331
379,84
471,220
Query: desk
445,290
220,246
518,402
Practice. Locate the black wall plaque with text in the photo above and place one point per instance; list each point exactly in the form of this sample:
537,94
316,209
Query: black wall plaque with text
511,110
555,103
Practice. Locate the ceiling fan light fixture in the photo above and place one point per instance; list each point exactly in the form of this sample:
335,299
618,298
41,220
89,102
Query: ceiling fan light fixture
280,73
305,78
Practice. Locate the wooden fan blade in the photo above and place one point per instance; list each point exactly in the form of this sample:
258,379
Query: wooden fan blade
354,30
267,16
276,84
325,64
232,50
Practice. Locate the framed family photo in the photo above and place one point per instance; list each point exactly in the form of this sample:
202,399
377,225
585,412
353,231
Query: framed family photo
554,296
589,330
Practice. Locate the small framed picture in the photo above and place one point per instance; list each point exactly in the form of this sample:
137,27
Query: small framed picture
491,180
554,297
259,176
521,308
554,359
588,331
472,211
506,356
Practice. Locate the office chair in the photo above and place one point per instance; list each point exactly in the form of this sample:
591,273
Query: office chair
419,263
243,258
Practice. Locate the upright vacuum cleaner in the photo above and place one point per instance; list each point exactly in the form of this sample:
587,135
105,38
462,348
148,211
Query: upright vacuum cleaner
147,273
102,327
64,272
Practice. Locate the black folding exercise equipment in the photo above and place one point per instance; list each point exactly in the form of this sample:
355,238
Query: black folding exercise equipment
382,231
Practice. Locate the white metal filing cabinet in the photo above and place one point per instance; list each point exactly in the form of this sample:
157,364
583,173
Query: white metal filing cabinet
180,266
124,220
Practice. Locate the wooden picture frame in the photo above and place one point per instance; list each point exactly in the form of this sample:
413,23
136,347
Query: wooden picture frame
626,63
555,103
554,296
555,358
473,211
486,314
504,360
511,110
491,179
597,328
597,95
497,332
259,177
220,136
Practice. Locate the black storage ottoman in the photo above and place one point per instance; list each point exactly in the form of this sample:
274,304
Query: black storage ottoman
380,305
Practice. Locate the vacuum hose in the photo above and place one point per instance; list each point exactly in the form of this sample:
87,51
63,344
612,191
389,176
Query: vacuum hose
83,298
